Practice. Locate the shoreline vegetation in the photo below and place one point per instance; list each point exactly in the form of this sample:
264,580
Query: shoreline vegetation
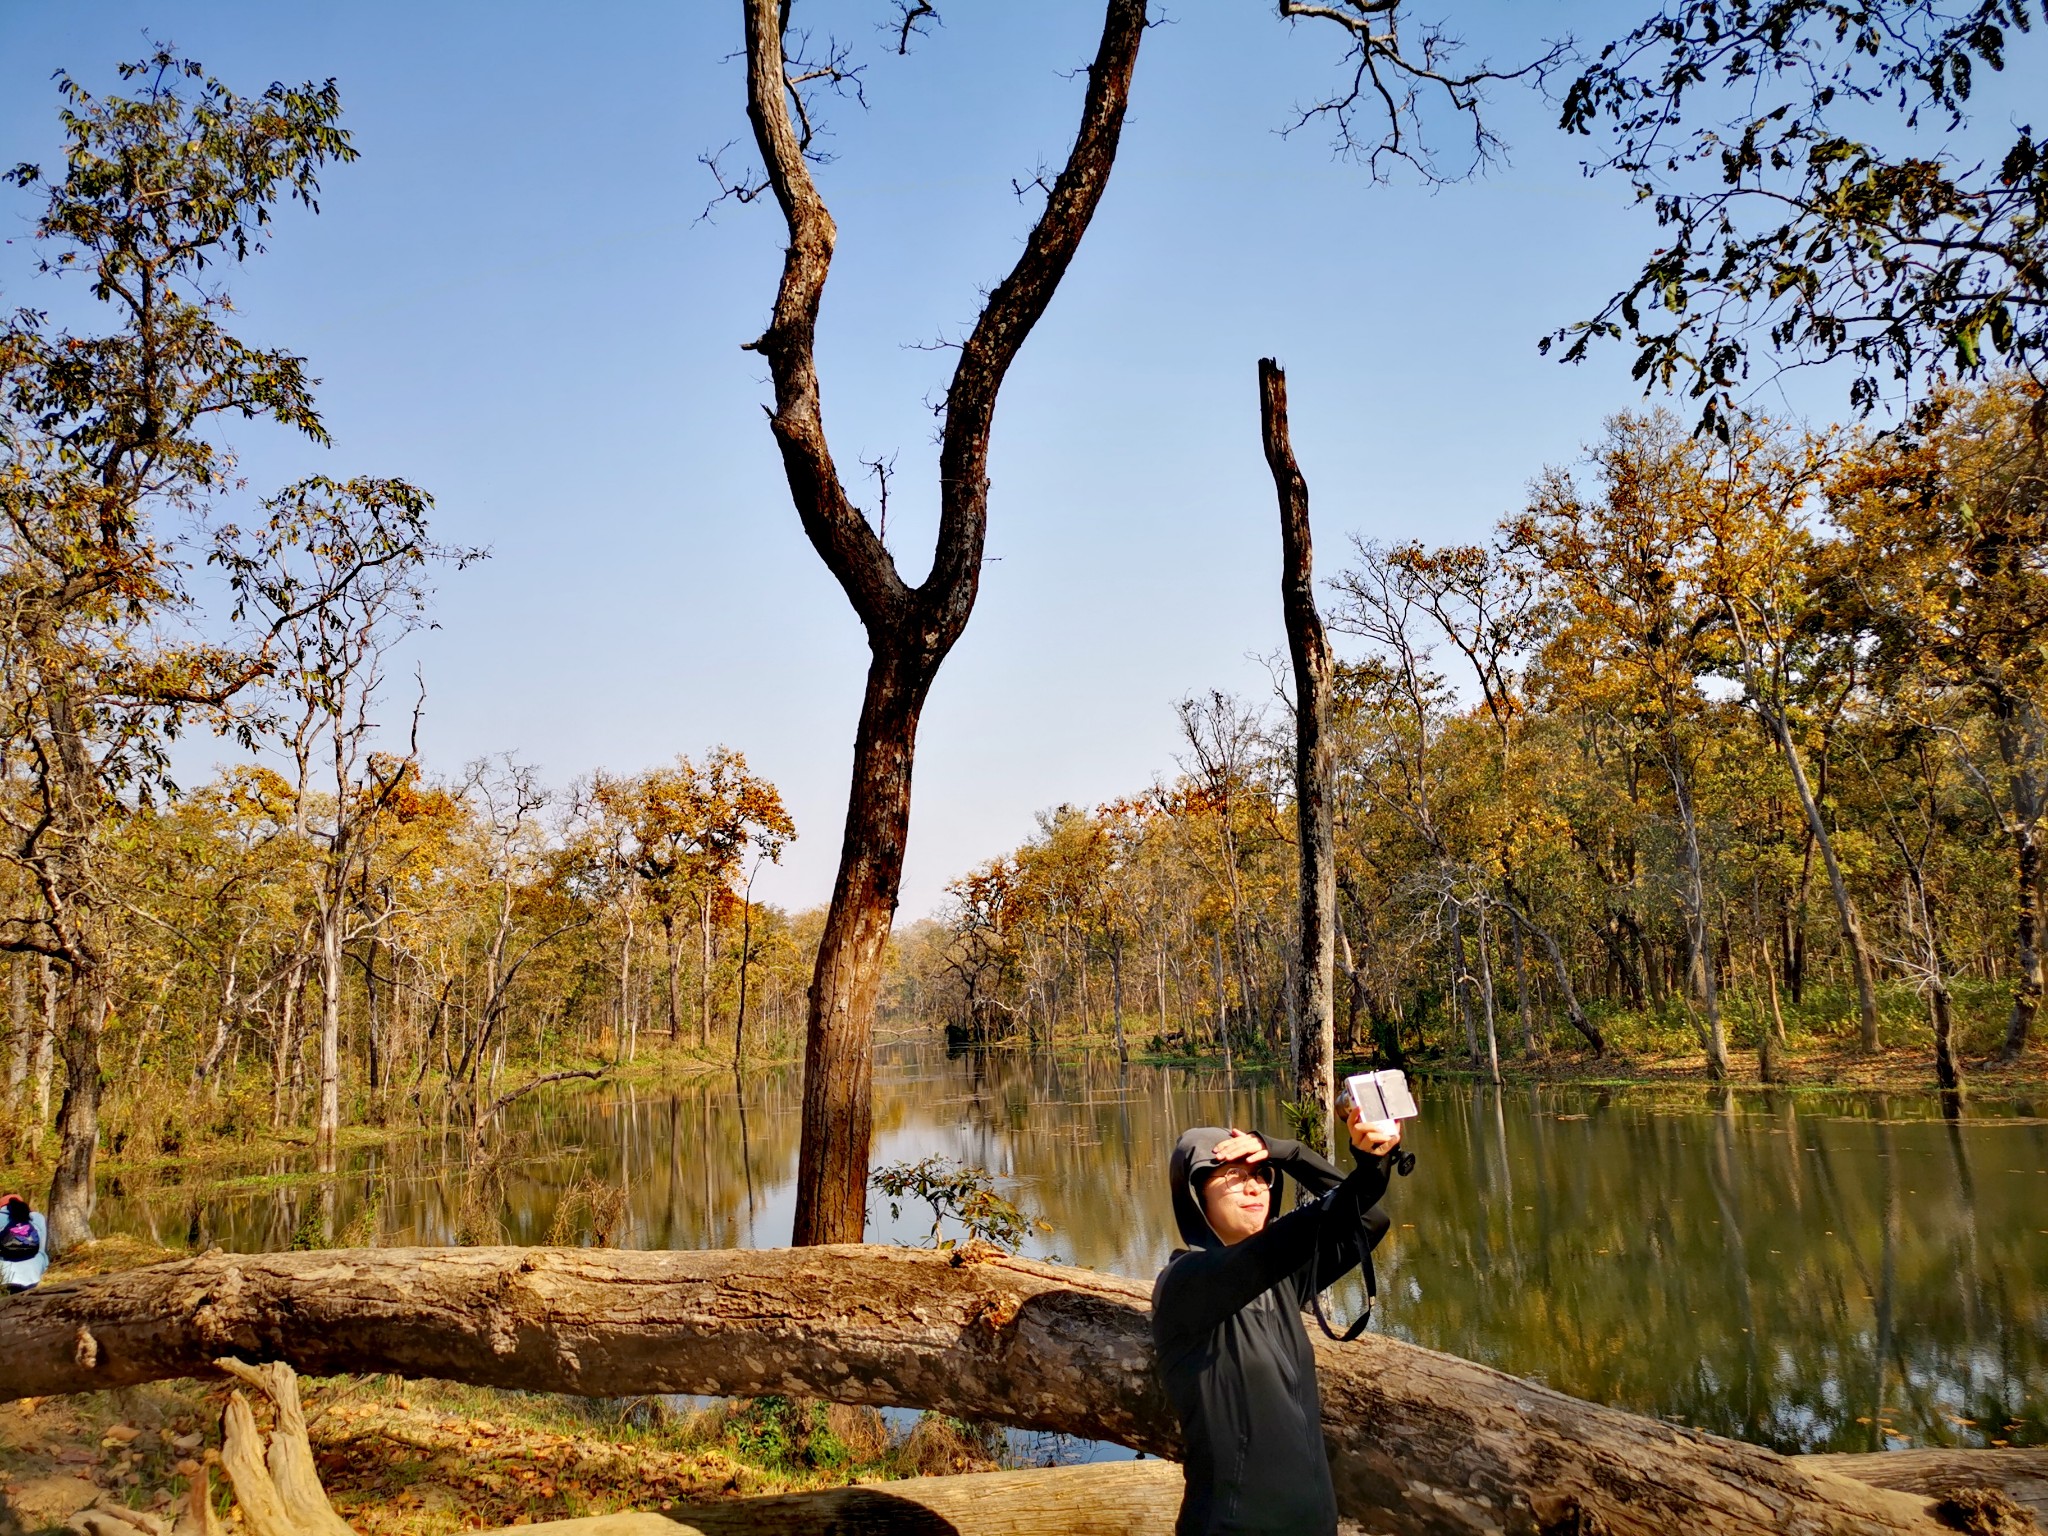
1644,1055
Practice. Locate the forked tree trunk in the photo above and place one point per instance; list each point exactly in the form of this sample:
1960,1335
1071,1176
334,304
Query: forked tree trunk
909,629
1315,1047
1419,1442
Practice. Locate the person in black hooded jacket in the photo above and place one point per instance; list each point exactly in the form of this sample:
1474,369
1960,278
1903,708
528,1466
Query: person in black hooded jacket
1226,1322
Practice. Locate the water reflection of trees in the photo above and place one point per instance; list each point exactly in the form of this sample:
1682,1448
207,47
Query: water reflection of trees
1809,1274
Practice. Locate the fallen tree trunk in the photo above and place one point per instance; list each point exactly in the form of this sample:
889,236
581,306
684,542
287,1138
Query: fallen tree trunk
1419,1442
1116,1498
1142,1498
2021,1475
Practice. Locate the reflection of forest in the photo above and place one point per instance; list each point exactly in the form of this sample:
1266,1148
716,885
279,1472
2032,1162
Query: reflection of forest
1807,1273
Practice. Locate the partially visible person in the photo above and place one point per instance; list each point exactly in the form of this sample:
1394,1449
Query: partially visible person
24,1245
1226,1321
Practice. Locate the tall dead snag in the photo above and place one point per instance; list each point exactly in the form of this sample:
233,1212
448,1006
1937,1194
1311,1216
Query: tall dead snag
1420,1443
910,629
1315,1041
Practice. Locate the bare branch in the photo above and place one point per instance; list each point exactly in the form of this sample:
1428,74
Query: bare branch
1392,84
911,15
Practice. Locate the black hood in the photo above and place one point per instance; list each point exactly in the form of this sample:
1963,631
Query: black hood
1194,1156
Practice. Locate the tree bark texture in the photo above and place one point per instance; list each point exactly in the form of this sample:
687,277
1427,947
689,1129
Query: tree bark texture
2021,1475
909,629
73,1189
1315,1045
1419,1442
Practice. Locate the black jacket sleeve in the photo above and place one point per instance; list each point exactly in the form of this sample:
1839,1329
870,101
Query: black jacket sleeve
1302,1163
1206,1285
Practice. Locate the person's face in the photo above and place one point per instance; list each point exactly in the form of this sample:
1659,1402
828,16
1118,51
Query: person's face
1236,1199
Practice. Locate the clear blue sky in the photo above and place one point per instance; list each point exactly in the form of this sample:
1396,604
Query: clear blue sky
511,301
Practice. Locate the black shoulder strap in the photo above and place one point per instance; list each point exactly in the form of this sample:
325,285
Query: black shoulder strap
1315,1295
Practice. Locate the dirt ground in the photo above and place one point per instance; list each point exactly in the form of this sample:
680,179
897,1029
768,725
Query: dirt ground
434,1457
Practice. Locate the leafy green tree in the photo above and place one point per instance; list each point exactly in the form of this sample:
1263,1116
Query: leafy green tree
106,464
1757,130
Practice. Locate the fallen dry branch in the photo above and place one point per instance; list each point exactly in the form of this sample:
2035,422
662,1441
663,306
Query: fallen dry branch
1117,1498
1419,1442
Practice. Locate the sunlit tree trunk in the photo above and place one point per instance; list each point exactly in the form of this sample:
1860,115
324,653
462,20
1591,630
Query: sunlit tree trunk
1698,933
1486,994
838,1105
626,1040
704,972
1461,983
329,1127
1116,995
1159,975
1522,1004
739,1023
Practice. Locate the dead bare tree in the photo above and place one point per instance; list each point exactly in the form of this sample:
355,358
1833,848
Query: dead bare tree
1315,1043
910,629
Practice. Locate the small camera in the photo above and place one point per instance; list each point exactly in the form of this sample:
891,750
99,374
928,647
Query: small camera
1382,1095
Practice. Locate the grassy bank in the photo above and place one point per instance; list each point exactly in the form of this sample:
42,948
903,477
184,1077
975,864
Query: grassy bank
1821,1047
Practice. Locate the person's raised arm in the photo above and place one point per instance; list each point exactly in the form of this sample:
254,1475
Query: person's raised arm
1302,1163
1204,1286
1356,1224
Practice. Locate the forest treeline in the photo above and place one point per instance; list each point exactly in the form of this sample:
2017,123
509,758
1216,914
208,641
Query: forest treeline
1710,733
438,928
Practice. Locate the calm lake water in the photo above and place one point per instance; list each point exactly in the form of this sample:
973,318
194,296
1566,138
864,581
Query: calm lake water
1811,1272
